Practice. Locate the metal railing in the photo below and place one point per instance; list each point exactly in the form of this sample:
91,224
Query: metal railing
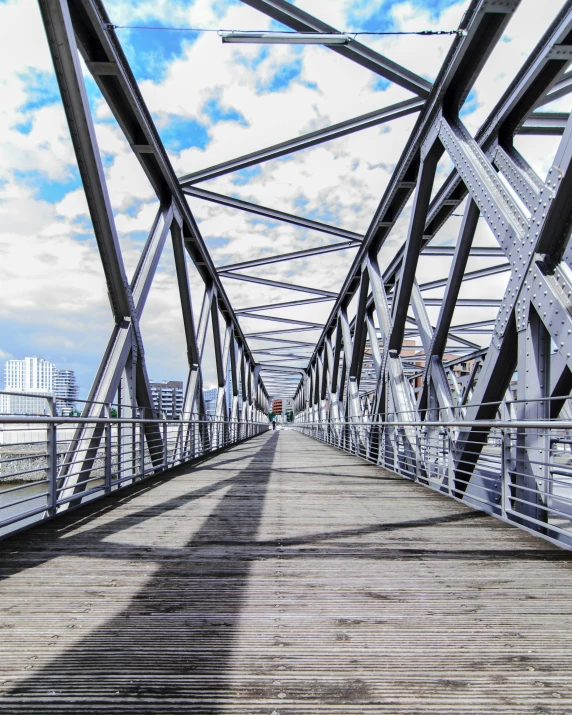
45,469
518,471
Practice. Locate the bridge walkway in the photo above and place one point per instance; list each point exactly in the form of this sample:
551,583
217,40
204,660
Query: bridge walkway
283,576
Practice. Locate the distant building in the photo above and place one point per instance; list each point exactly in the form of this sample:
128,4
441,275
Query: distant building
210,397
31,375
168,397
65,391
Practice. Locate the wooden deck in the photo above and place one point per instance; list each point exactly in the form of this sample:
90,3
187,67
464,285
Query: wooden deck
283,576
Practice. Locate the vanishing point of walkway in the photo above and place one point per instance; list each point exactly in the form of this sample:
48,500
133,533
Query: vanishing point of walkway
283,576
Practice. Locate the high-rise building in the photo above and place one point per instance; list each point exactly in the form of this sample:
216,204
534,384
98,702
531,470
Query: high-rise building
210,398
31,375
65,391
168,397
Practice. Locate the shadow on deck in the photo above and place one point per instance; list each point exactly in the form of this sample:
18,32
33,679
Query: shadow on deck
281,577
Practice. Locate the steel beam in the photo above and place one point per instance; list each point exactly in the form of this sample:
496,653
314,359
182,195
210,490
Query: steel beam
277,284
544,124
428,165
273,214
61,40
483,24
297,19
281,257
455,280
104,57
372,119
470,276
290,321
287,304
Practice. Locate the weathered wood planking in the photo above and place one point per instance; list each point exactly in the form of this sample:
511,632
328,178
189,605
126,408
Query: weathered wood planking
283,576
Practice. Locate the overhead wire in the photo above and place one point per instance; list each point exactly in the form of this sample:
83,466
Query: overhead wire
354,33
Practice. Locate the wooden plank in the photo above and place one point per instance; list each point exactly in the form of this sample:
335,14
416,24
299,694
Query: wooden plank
283,576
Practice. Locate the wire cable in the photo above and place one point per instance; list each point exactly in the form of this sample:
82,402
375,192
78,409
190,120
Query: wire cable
112,26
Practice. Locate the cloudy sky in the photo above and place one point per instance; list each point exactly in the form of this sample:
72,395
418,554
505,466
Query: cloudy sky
212,102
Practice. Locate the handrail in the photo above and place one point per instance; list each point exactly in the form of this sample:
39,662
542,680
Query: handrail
486,424
47,419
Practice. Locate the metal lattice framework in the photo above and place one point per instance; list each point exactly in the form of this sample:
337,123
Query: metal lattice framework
379,356
530,218
83,28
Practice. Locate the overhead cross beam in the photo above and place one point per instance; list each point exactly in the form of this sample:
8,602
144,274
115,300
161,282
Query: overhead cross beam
297,19
335,131
282,257
273,214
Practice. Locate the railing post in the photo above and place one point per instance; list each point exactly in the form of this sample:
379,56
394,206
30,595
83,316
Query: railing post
505,472
450,463
107,460
141,444
416,449
52,468
165,449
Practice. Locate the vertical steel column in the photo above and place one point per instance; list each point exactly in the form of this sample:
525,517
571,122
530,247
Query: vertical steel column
532,445
352,402
108,450
52,468
141,445
429,158
63,48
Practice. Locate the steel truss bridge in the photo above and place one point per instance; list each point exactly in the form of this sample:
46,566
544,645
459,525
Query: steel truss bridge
389,586
486,422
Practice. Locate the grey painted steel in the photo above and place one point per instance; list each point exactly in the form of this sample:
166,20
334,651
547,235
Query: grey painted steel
301,21
454,282
379,359
372,119
470,276
532,232
483,27
284,304
282,257
95,39
61,40
83,25
544,124
273,214
277,284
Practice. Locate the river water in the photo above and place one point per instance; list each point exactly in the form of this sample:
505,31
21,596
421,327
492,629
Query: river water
37,495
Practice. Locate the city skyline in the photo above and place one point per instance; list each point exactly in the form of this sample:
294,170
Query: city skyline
39,377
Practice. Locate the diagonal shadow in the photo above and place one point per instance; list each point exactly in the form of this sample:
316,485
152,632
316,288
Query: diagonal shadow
40,543
174,642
